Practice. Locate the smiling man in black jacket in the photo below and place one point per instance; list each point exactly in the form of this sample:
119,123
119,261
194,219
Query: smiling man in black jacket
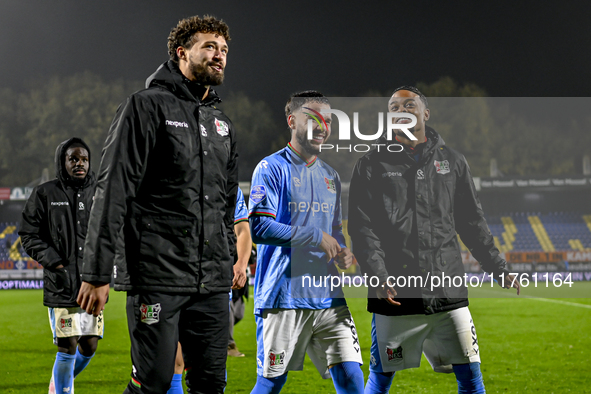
405,211
164,213
53,229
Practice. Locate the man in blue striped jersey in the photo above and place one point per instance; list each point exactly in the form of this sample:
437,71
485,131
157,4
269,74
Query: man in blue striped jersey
295,217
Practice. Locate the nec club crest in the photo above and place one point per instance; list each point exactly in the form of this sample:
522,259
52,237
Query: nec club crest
276,359
394,354
442,167
330,185
221,127
150,314
66,323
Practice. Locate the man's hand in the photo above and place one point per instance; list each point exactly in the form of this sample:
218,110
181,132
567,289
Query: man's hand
512,281
239,275
387,293
92,298
344,259
330,246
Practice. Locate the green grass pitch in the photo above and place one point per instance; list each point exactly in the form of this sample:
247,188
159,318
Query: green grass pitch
527,345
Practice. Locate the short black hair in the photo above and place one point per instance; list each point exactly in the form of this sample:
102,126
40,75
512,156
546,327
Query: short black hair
415,91
297,100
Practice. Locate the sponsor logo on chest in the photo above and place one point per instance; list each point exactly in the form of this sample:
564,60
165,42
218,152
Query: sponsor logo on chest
176,123
390,174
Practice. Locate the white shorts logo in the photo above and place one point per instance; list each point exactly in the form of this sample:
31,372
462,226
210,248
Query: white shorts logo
276,359
150,313
394,354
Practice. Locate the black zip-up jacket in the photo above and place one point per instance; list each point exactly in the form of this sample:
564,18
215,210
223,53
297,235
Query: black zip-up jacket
53,229
165,198
403,219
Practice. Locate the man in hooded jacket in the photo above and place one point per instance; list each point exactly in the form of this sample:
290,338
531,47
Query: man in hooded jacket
53,230
405,211
165,201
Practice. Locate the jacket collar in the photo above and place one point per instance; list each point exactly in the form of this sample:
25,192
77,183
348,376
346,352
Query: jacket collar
170,77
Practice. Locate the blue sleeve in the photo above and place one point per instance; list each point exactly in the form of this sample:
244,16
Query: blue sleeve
265,230
337,222
241,212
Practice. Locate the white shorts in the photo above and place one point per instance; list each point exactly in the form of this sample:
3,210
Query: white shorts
74,322
284,336
446,338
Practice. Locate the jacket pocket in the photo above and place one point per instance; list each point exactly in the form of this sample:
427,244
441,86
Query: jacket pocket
166,246
57,281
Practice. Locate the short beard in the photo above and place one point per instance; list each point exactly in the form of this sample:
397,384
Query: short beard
205,77
305,144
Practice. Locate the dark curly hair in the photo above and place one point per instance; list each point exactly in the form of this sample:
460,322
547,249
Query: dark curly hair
183,34
297,100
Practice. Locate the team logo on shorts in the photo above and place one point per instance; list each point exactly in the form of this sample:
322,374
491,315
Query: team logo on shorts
394,354
330,185
441,166
66,323
150,313
276,359
221,127
203,130
258,194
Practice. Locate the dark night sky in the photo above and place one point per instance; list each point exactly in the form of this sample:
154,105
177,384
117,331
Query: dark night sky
341,48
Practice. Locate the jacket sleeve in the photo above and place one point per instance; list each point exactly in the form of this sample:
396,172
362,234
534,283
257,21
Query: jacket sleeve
472,226
363,223
123,162
231,195
34,232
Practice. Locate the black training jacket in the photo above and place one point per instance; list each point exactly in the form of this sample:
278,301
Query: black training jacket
53,228
166,192
403,220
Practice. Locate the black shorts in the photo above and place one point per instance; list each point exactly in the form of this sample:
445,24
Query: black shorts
157,321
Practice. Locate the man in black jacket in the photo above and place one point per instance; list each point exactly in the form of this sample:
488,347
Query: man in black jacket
53,229
164,214
405,211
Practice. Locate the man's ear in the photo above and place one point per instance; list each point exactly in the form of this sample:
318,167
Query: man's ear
291,121
181,53
427,114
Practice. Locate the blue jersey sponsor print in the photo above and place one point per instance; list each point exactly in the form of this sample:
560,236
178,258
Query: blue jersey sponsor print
306,197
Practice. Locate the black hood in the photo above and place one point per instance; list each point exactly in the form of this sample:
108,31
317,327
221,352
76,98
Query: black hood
170,77
60,168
